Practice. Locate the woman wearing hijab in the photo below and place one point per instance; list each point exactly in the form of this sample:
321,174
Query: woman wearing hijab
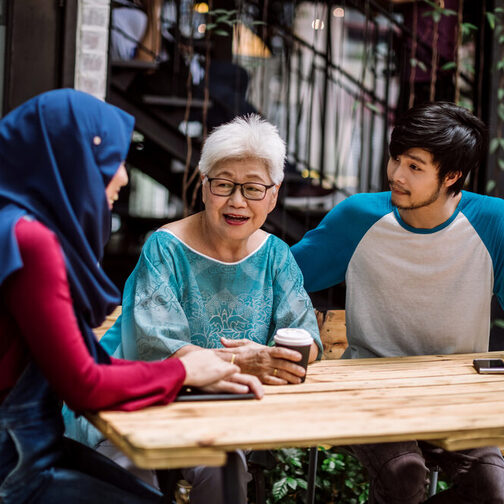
60,171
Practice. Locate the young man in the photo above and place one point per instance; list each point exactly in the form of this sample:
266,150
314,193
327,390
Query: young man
421,264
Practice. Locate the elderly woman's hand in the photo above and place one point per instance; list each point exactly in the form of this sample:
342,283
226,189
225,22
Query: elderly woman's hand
272,365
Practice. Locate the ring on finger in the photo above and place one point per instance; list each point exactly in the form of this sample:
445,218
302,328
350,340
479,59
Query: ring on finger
275,372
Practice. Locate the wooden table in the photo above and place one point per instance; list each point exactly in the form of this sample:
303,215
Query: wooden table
436,398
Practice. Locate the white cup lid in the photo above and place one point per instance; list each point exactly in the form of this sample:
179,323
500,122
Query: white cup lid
293,336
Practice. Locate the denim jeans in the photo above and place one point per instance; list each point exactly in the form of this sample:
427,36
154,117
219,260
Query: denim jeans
39,465
399,473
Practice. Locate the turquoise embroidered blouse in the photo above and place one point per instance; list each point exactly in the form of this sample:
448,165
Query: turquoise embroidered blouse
177,296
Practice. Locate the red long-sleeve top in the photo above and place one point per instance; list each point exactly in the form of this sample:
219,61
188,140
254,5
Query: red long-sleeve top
37,321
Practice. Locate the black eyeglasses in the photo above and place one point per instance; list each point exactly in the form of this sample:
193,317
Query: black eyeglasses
250,190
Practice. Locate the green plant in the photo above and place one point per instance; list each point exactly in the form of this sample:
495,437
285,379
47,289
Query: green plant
340,478
496,21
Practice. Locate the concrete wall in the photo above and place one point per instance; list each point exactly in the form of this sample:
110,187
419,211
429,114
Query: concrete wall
92,47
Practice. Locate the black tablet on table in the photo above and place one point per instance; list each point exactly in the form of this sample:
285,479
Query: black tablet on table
195,394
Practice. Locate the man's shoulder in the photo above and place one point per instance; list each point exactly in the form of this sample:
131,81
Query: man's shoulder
481,206
486,216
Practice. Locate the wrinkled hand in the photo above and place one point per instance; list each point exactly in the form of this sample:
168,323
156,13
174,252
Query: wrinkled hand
272,365
204,367
238,384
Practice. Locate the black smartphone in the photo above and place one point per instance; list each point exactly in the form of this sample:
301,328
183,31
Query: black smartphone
194,394
489,365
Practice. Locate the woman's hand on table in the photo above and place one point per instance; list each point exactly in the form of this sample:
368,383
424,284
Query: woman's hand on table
204,367
207,371
272,365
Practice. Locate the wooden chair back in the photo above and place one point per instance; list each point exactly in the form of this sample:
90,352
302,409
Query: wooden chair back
332,332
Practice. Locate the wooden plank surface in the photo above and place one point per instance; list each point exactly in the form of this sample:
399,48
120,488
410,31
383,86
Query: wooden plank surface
436,398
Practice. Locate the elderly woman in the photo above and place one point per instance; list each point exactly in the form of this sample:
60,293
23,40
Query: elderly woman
215,279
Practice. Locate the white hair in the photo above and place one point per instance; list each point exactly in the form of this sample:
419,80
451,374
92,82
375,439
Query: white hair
245,137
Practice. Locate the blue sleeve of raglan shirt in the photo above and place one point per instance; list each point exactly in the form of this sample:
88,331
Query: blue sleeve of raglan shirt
486,214
324,252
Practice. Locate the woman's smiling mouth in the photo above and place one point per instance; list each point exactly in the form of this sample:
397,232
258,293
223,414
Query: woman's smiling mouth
235,219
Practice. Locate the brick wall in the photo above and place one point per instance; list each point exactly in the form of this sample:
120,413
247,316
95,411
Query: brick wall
92,47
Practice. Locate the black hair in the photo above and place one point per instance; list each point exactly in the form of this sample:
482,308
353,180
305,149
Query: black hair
455,137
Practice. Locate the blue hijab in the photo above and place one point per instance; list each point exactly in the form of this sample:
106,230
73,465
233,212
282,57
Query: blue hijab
58,152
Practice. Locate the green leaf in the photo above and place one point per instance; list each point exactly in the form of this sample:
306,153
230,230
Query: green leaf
431,3
500,65
436,16
292,483
449,66
499,10
494,145
222,33
449,12
417,63
302,483
490,186
491,17
328,465
254,23
501,164
499,323
500,94
211,26
428,13
295,462
340,465
467,28
223,13
280,489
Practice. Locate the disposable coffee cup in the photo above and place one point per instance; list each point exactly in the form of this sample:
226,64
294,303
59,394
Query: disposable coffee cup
295,339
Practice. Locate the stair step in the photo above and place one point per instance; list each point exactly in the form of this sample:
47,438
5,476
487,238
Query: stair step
172,101
135,64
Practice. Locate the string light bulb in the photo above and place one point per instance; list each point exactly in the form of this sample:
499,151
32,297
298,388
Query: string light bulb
339,12
201,8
